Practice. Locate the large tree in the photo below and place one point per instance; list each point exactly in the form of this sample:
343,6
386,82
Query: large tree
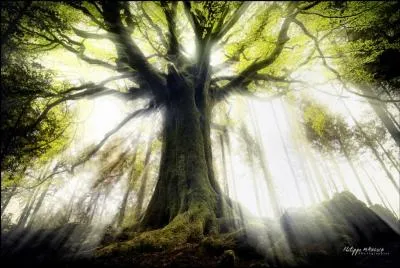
264,44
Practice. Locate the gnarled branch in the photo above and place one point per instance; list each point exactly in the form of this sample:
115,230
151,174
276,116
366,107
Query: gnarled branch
148,76
244,78
157,28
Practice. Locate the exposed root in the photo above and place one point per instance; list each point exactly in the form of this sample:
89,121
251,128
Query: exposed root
198,225
190,226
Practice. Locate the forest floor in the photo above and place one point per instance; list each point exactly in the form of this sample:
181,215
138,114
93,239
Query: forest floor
341,232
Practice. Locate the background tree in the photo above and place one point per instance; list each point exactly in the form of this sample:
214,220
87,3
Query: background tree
30,135
372,50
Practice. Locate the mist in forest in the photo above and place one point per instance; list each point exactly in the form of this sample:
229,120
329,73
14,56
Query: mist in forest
233,133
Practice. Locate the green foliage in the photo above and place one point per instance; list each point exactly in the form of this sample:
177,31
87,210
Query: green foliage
315,117
325,130
368,38
330,132
258,36
212,14
30,133
26,89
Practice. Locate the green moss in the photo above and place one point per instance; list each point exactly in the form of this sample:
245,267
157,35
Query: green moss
186,227
217,244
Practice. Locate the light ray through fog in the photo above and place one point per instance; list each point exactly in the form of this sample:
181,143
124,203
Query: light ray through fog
302,175
271,171
262,158
284,171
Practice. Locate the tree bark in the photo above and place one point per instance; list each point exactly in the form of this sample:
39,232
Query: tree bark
184,183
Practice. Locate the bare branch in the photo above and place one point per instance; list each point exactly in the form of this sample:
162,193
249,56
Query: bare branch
219,94
154,26
101,84
339,17
110,133
264,77
85,11
46,37
334,71
232,21
246,75
91,91
82,56
192,20
79,52
41,47
150,41
89,35
43,180
173,43
221,20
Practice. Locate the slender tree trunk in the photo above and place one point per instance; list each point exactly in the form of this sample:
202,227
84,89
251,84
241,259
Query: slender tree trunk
299,147
131,180
121,213
259,152
238,223
373,149
378,191
319,177
395,164
331,178
226,213
91,207
295,177
253,175
225,170
38,205
338,171
391,98
144,178
350,161
6,198
383,115
28,207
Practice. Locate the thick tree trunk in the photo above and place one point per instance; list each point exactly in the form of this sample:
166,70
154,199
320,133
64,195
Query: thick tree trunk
184,184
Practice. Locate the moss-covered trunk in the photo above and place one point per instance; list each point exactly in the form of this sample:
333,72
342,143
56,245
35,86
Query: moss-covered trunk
186,183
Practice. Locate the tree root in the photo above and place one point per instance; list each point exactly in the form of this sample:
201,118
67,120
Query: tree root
190,226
